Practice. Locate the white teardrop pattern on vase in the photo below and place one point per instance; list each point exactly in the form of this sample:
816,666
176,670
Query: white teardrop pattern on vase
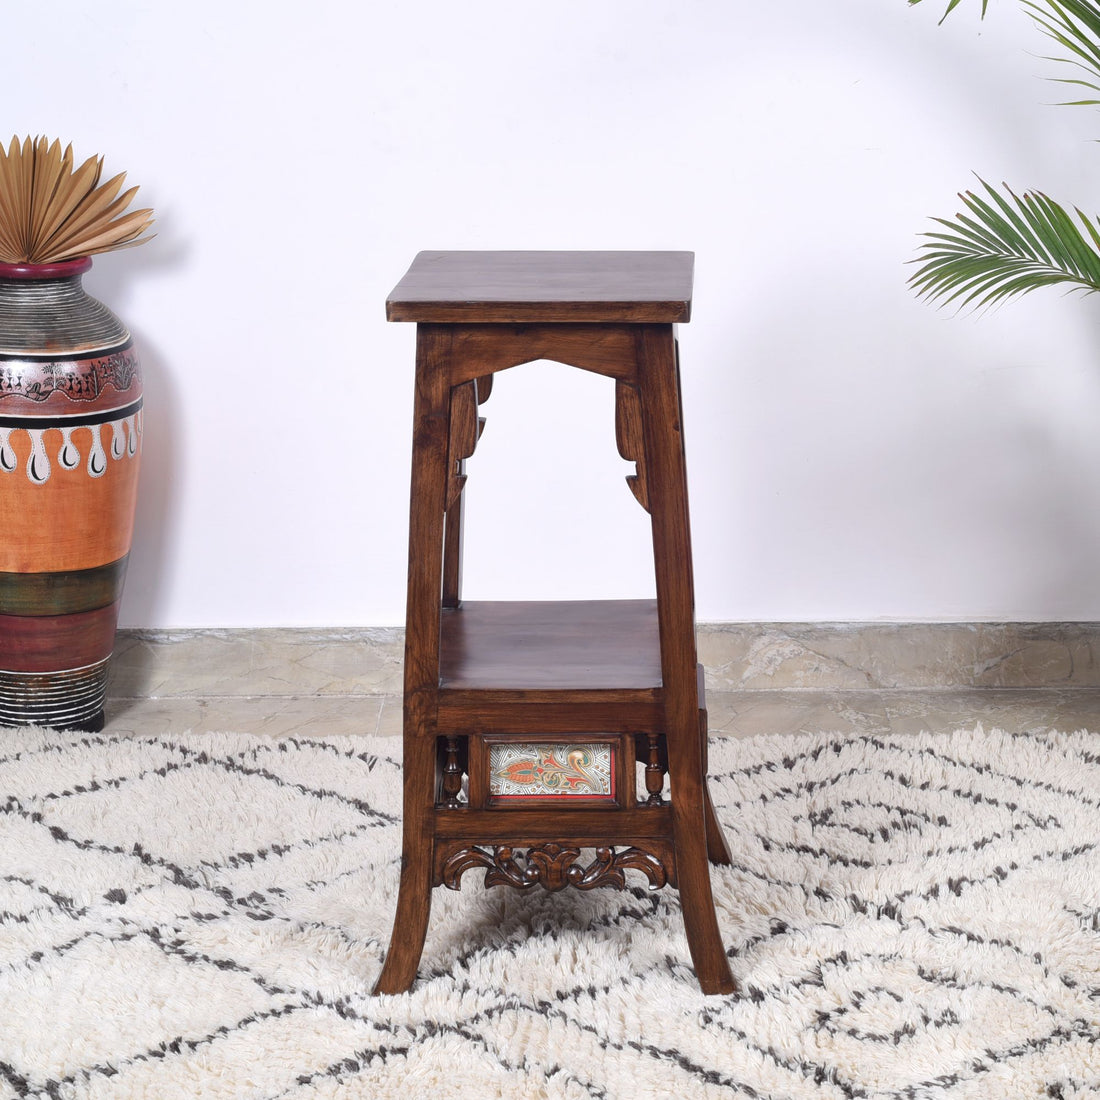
68,457
7,452
125,444
118,439
38,462
97,457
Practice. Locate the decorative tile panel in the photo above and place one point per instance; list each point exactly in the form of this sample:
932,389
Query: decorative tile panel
551,770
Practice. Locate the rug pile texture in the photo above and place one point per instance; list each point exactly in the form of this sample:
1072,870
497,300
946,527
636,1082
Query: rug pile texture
202,917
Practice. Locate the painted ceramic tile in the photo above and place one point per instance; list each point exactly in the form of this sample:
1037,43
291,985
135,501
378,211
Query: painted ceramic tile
543,770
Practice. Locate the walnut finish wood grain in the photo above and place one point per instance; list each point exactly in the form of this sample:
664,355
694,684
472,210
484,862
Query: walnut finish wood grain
622,672
431,425
597,645
502,287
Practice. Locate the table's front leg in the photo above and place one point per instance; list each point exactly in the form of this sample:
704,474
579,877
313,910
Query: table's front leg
431,429
668,501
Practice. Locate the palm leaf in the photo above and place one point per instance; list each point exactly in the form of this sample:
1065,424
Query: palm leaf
51,210
952,5
1075,26
1005,245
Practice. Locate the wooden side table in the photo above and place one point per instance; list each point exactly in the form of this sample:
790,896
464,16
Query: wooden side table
525,722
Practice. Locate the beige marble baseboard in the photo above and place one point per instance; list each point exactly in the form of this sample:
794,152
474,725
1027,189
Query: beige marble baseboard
762,679
921,656
738,657
256,662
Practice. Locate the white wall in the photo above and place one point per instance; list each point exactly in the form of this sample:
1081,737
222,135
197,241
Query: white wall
854,453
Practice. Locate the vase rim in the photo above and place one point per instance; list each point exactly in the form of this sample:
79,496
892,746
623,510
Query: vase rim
59,270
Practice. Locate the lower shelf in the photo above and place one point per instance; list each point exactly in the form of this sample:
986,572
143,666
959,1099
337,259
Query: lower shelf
534,647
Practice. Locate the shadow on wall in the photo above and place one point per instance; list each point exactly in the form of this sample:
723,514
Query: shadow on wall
154,525
112,280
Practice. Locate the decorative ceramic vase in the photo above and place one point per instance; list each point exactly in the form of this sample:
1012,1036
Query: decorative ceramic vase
70,441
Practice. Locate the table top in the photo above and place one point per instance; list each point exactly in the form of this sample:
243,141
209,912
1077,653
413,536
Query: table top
503,287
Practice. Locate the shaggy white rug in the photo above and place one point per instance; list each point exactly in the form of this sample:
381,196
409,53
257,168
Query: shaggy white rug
204,916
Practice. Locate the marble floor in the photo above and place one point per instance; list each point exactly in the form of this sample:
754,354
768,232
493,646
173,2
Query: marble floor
760,680
732,714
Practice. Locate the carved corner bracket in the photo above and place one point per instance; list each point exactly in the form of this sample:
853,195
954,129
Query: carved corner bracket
465,430
630,439
555,866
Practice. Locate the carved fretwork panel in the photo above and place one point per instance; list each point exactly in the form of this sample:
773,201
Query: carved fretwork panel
556,866
630,440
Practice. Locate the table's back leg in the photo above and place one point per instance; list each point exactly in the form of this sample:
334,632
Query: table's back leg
668,502
431,429
717,849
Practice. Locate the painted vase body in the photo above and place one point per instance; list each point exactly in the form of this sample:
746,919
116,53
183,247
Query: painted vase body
70,444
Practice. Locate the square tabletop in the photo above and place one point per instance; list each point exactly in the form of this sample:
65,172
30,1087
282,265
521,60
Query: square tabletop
517,287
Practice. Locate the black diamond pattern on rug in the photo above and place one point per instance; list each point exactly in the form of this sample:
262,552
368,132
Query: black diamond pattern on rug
204,916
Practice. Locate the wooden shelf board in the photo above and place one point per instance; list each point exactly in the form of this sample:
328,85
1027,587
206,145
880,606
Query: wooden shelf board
577,649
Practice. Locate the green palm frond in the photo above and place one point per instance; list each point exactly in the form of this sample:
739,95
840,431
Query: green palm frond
1075,26
1001,247
1004,245
953,4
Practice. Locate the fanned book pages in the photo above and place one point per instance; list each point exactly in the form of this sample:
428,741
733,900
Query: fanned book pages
51,211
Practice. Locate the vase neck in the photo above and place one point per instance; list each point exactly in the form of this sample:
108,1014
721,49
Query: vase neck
45,310
64,269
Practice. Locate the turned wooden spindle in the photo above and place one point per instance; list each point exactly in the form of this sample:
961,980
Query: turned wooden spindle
654,772
452,775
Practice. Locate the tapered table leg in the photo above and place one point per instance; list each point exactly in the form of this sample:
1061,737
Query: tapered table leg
431,427
414,899
667,475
